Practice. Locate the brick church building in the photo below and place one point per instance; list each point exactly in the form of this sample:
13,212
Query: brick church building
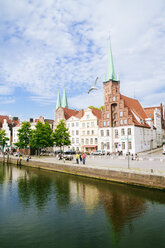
125,125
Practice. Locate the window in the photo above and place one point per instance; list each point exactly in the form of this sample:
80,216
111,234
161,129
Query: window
83,132
77,140
83,124
107,133
116,133
87,116
77,124
123,145
102,145
96,141
91,141
68,124
92,132
129,145
121,114
122,131
113,98
72,124
115,123
87,141
108,146
121,122
102,132
82,141
104,123
88,132
87,124
108,123
92,124
72,132
72,140
107,116
77,132
129,131
125,121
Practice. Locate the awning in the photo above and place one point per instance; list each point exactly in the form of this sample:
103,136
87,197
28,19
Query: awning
90,146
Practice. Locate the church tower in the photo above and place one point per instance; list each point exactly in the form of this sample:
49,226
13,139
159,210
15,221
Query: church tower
111,94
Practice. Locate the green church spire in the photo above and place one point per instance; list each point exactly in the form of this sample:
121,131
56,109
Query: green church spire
58,104
64,100
111,71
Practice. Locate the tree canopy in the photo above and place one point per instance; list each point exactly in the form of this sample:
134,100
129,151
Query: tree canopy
3,137
61,135
24,135
101,108
41,136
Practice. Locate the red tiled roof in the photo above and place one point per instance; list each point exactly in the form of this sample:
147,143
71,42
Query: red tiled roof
49,121
12,122
80,114
69,112
96,112
135,106
150,111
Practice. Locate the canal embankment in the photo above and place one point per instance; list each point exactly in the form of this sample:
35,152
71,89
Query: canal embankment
130,176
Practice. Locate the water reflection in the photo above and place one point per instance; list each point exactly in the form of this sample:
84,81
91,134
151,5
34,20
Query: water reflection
122,204
34,188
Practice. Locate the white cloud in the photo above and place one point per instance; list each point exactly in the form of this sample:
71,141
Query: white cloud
46,45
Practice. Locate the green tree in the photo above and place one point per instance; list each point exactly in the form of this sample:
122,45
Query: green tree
41,137
61,135
24,135
101,108
3,138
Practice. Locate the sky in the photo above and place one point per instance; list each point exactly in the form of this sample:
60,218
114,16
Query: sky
49,45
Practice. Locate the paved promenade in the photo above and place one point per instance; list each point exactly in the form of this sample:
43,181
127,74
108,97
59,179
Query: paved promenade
153,163
148,162
148,171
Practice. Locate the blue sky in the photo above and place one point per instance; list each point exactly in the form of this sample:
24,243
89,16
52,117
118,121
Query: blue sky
46,45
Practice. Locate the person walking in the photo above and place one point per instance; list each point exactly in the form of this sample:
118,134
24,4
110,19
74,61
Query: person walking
77,158
80,157
83,158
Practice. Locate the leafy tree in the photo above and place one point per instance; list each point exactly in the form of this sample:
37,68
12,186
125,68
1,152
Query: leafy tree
61,135
3,138
101,108
41,137
24,135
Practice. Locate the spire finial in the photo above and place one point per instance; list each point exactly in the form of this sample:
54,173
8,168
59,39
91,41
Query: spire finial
64,100
58,104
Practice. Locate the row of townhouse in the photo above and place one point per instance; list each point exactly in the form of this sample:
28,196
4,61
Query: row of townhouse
7,123
11,125
89,131
124,125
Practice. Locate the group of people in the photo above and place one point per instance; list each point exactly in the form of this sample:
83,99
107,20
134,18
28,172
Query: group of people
135,157
80,157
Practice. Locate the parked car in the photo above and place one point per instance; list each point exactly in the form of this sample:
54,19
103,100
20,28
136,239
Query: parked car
163,149
98,152
68,156
70,152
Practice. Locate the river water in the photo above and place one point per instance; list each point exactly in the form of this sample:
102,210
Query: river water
48,209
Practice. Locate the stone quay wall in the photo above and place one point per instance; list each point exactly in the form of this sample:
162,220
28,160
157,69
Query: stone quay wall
142,179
